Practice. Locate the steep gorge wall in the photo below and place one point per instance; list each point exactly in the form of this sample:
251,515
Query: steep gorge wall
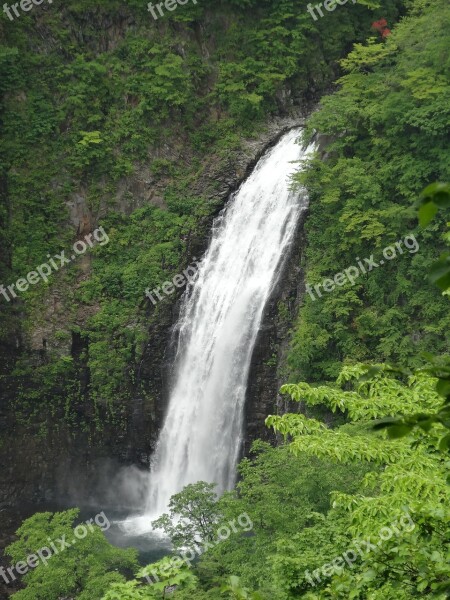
66,466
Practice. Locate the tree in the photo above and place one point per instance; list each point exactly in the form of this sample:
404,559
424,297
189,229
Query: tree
85,569
193,515
169,577
234,590
407,481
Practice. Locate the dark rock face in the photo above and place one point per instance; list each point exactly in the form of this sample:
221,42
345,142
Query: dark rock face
266,371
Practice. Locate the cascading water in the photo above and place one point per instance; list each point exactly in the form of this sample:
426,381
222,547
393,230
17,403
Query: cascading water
218,325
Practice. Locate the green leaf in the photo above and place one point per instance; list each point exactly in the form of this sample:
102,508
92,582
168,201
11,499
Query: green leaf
399,431
444,444
385,423
439,193
426,213
440,273
443,387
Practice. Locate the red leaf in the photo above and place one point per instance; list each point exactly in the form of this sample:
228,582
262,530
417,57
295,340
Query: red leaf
379,25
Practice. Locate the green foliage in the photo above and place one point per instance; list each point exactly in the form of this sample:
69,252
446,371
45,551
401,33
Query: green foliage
171,572
280,493
412,481
386,137
170,578
435,196
86,569
130,590
193,515
270,479
234,590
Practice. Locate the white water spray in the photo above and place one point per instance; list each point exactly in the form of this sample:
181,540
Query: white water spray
218,325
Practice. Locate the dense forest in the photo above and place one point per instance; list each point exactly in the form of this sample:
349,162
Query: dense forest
113,122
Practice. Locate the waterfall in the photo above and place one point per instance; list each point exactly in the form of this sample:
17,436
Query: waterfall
219,321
